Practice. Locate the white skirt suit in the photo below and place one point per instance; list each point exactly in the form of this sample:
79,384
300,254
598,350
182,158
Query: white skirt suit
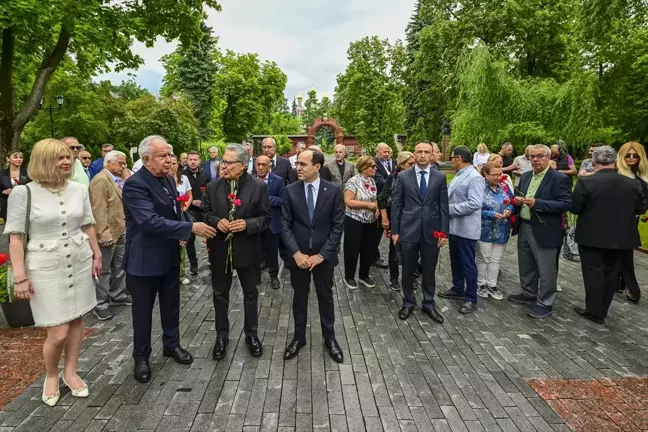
59,257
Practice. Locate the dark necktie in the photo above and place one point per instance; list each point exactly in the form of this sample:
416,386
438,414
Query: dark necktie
310,202
423,185
272,164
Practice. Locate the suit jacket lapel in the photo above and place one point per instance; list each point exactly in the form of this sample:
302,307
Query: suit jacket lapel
411,174
156,186
544,182
108,177
456,182
244,192
322,195
381,167
301,197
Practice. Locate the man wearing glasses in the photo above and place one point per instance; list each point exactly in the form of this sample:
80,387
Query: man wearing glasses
78,173
543,196
86,159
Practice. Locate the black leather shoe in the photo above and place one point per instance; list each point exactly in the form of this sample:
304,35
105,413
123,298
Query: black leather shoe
434,314
255,346
585,314
293,349
193,270
380,263
274,283
468,307
334,350
179,354
405,312
142,372
450,294
219,347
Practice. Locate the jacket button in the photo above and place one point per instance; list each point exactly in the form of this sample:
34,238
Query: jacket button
41,246
61,203
64,224
69,265
64,234
68,256
65,245
71,285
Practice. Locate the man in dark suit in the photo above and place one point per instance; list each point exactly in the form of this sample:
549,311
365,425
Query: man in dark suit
543,197
211,166
248,196
152,256
279,166
251,169
198,181
270,237
385,165
606,203
421,222
311,228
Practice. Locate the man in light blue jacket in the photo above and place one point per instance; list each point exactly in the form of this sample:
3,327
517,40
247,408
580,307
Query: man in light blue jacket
465,196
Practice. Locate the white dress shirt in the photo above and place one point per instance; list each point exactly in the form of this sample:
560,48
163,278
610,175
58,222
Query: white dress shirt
418,170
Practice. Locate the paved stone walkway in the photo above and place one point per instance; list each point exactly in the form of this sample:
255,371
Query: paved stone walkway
469,374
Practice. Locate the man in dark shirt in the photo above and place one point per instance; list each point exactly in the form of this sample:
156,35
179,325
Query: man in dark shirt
198,181
507,157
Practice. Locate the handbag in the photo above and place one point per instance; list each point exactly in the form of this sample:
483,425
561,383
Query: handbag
10,275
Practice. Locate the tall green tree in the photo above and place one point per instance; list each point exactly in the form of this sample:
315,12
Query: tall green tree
369,94
37,35
190,71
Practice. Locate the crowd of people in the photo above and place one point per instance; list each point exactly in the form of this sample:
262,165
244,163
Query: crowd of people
91,235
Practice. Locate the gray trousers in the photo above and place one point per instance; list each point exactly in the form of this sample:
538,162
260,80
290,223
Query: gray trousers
538,270
112,281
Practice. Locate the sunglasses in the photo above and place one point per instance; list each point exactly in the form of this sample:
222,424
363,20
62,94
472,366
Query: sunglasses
631,156
75,147
85,158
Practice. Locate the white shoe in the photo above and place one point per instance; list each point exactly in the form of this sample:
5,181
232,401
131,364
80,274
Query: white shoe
185,281
558,288
81,392
52,399
495,293
482,292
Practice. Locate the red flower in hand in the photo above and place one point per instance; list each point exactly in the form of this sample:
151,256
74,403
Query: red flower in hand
643,219
236,202
231,196
203,188
439,234
3,258
502,178
506,201
388,234
183,198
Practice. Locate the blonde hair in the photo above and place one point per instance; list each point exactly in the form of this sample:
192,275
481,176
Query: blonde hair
363,163
484,146
403,157
42,163
494,156
622,166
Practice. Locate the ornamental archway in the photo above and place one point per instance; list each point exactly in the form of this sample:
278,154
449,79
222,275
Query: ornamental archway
321,122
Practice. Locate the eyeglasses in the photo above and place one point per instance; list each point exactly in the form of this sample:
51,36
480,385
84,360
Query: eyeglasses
540,156
75,147
228,163
631,156
85,157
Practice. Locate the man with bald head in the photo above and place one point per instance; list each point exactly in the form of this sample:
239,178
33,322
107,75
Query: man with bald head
385,165
279,166
79,174
300,147
341,170
270,237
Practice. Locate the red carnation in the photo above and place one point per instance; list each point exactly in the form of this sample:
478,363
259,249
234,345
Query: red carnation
203,188
439,234
502,178
183,198
3,258
231,196
236,202
644,219
506,201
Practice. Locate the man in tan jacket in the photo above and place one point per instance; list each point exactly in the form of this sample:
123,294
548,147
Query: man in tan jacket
108,210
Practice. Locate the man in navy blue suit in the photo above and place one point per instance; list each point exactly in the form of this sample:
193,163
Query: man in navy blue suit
152,257
311,228
270,237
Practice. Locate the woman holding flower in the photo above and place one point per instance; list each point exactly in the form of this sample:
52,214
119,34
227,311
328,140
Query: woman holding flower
62,255
360,223
496,227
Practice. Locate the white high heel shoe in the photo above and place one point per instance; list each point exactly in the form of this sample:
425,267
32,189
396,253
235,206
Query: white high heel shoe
52,399
81,392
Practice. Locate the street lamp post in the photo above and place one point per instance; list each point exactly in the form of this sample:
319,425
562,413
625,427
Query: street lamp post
51,109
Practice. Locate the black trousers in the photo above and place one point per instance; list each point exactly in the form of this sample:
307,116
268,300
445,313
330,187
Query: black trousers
270,243
429,254
601,275
628,278
143,291
300,279
221,284
359,239
191,251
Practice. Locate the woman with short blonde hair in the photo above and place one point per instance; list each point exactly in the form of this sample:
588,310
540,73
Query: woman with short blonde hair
54,270
631,162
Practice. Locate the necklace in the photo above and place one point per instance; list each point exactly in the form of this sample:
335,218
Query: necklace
56,192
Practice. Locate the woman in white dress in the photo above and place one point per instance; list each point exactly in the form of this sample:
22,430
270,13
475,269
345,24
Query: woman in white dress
481,156
62,256
184,188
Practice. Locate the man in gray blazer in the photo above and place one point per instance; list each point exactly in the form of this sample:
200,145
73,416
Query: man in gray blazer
341,169
465,195
420,221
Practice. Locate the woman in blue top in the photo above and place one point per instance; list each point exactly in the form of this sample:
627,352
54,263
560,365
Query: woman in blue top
496,228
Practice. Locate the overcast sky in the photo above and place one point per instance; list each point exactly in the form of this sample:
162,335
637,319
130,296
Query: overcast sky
308,39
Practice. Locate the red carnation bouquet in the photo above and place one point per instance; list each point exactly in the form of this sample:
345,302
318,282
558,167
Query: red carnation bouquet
234,203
